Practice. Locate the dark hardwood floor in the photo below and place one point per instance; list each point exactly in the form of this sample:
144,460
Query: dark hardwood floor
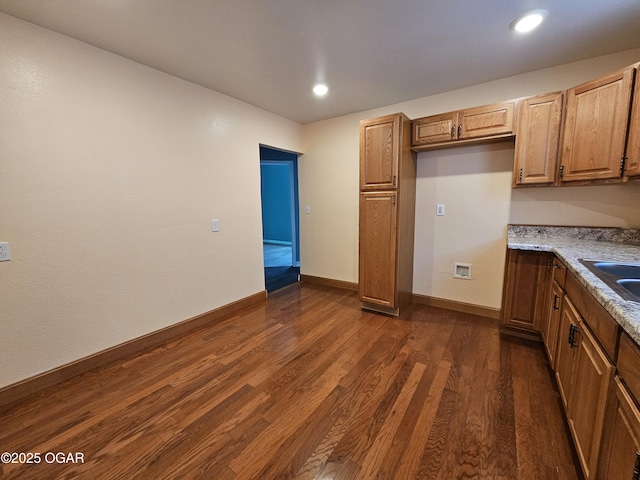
306,386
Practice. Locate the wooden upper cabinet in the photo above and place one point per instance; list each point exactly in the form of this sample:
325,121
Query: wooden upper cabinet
633,146
537,140
595,128
487,121
379,153
435,129
463,126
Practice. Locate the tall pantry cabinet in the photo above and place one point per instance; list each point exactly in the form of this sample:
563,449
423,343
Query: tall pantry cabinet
387,213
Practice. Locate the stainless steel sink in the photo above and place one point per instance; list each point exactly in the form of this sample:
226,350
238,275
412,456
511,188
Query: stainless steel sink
622,278
631,284
624,270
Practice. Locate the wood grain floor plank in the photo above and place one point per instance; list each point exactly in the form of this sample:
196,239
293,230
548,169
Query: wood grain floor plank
306,386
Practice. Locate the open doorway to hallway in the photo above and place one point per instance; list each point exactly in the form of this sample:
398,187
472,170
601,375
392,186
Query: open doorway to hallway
280,230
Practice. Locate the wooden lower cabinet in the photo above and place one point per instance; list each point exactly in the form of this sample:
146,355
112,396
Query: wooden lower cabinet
551,323
582,341
619,455
588,400
524,293
566,352
584,375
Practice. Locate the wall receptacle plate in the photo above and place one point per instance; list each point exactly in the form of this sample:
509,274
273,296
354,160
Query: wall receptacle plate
462,270
215,225
5,253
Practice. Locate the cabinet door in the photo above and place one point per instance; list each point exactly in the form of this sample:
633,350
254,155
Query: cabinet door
588,399
435,129
619,455
566,351
633,147
488,120
378,248
523,298
595,128
551,324
379,152
537,140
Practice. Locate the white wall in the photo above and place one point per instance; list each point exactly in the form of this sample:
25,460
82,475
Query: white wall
110,174
473,182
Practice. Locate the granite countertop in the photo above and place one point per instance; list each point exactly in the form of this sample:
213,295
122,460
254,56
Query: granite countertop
571,244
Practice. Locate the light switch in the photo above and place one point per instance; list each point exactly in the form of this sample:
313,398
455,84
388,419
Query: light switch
215,225
307,209
440,209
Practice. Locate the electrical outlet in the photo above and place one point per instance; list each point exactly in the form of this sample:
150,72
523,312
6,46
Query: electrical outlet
215,225
5,254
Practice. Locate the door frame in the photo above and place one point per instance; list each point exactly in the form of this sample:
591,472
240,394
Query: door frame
292,163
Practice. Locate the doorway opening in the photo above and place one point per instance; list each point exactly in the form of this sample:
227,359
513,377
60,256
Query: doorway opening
280,229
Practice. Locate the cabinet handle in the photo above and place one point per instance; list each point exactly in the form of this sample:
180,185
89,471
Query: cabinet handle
623,162
555,302
636,468
393,200
453,131
561,171
394,180
572,335
459,130
520,181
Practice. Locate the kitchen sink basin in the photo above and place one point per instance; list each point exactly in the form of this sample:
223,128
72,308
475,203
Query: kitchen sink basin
624,270
622,278
633,285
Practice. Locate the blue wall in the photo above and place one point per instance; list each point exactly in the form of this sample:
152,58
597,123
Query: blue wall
276,202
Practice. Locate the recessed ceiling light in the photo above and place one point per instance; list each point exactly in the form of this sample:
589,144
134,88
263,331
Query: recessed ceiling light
320,89
528,22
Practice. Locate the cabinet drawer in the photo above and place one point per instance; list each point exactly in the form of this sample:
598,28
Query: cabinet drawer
629,364
559,272
604,327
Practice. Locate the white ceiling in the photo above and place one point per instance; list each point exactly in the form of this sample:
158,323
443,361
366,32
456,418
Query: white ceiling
371,53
